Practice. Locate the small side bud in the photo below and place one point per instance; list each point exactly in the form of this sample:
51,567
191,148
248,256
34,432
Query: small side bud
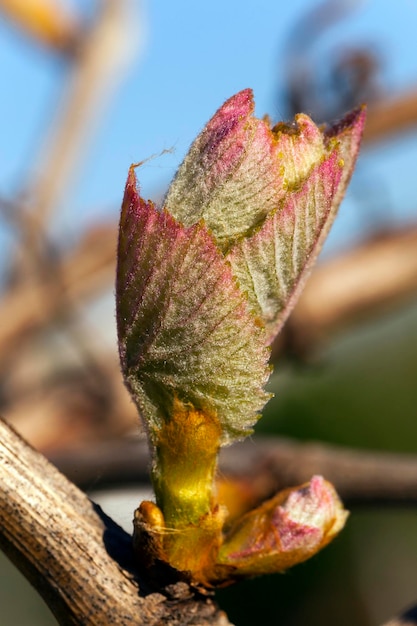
284,531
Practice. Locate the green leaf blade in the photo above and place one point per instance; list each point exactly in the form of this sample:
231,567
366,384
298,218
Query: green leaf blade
185,329
229,176
273,264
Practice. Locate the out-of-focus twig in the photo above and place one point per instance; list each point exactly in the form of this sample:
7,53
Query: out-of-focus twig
49,21
57,411
389,117
82,400
84,273
103,55
374,276
360,476
351,74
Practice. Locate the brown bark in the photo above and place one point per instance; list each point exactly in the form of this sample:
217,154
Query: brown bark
76,557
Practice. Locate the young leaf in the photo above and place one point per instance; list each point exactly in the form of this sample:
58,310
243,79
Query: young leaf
229,176
268,196
185,329
273,264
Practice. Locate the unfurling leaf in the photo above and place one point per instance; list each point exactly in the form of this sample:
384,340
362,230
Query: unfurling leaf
228,177
203,287
272,264
185,329
268,195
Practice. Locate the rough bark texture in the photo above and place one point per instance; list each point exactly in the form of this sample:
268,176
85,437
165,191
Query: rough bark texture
78,559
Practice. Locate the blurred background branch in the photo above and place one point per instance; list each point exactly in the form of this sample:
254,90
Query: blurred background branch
49,22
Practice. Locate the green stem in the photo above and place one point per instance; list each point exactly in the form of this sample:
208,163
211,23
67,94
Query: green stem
186,450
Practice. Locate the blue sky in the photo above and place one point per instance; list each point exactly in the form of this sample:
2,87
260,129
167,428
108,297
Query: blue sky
192,57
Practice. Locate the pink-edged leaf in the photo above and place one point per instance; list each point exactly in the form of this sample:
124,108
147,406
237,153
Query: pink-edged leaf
185,329
298,148
346,137
273,264
229,176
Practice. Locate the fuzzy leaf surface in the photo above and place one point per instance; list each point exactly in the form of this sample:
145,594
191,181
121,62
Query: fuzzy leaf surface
273,264
268,196
228,177
185,329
